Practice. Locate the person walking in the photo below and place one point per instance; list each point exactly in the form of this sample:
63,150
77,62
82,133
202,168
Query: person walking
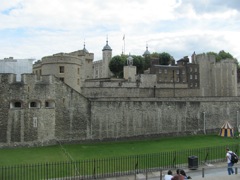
230,164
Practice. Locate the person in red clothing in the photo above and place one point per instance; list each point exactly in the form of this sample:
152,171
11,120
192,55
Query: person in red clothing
178,176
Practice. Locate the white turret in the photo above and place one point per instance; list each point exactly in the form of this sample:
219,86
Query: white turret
107,56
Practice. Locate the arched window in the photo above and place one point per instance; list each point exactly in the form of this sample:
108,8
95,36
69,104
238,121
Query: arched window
34,104
49,104
16,104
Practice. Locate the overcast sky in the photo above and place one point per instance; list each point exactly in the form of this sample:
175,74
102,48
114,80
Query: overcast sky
38,28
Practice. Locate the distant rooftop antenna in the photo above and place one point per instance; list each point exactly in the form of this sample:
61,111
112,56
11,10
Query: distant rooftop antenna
124,44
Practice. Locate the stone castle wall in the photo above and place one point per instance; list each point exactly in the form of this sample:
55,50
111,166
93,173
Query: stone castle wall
74,118
101,92
116,108
66,118
215,79
119,118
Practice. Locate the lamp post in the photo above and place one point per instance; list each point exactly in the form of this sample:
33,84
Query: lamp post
173,84
238,128
204,123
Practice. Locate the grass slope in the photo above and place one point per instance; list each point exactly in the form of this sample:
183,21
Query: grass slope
109,149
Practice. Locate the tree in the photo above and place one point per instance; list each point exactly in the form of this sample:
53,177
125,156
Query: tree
154,55
215,54
221,55
118,62
138,61
224,55
164,58
116,65
142,63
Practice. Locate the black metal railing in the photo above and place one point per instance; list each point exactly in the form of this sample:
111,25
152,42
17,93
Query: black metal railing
115,166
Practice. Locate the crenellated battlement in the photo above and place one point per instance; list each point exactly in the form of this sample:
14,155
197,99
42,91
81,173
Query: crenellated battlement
80,53
60,59
233,61
205,57
9,78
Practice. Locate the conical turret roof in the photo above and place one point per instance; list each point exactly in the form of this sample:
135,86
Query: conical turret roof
107,47
146,52
84,49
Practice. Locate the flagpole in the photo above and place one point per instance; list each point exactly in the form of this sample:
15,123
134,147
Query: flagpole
124,44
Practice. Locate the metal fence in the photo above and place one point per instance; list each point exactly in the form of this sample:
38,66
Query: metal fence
113,167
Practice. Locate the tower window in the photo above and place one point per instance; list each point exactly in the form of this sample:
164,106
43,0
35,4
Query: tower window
17,104
61,69
49,104
46,104
35,122
34,104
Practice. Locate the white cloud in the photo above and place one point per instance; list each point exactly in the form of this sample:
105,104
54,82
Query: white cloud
37,28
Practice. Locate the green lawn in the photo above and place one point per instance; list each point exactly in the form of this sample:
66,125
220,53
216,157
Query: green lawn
109,149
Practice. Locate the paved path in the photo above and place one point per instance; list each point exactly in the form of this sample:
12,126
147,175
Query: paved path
211,172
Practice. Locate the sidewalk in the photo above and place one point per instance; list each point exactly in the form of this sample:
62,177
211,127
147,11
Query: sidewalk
211,172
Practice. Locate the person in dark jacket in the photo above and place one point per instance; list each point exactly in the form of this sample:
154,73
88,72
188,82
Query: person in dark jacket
182,172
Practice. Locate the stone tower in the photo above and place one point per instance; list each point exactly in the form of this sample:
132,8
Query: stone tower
71,68
217,78
107,56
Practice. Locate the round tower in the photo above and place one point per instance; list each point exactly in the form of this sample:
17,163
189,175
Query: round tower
106,57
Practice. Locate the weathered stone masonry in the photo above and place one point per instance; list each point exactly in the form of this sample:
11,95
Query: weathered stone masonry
118,118
43,111
58,112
